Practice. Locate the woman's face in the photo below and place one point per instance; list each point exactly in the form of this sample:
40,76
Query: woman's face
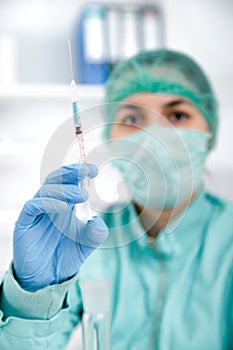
179,112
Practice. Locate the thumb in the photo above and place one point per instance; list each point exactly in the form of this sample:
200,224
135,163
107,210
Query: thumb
96,232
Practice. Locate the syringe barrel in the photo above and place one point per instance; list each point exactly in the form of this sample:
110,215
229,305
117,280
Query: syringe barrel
79,135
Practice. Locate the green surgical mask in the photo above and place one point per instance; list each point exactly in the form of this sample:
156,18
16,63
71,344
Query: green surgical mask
163,165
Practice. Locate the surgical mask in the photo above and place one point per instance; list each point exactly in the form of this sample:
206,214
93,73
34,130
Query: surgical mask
163,165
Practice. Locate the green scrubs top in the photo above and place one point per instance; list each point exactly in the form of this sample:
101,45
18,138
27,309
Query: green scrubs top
174,293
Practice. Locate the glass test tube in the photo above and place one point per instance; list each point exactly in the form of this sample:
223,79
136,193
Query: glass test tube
96,323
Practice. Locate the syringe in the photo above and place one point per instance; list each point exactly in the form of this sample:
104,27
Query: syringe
79,135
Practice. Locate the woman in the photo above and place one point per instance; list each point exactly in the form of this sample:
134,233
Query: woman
169,256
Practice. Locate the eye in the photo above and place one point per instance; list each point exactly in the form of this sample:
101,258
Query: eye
177,117
132,119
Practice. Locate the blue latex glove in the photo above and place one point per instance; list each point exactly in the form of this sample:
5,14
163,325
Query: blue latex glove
50,242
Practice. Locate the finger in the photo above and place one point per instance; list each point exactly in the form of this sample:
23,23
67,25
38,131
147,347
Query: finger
37,206
72,174
95,233
67,193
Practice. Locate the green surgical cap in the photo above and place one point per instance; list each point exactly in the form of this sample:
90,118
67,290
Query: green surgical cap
163,71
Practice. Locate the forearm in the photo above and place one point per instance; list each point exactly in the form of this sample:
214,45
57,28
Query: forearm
43,304
39,320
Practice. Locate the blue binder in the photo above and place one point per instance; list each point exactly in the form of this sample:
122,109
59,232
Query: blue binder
91,45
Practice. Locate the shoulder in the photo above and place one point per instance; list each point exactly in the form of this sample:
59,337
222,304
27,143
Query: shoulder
222,208
220,225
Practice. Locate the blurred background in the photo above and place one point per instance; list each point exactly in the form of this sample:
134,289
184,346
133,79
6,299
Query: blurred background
35,76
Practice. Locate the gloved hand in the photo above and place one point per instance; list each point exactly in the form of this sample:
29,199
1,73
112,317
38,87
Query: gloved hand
50,242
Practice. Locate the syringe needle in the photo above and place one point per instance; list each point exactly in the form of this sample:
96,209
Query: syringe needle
71,62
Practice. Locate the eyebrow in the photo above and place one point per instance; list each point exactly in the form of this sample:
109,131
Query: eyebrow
130,106
177,102
166,105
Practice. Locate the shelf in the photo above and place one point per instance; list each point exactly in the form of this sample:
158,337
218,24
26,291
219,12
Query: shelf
50,91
